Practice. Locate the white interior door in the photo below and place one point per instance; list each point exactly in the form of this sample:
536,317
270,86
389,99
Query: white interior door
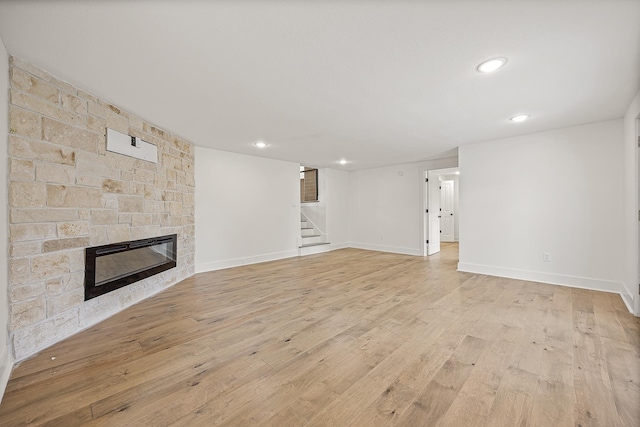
434,214
447,203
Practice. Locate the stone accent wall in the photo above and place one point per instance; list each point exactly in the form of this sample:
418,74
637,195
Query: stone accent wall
66,192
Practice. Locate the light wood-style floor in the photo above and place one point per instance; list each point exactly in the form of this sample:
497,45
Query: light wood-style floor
350,337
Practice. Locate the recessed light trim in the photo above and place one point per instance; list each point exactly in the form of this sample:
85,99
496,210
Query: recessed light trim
520,118
260,144
491,65
343,161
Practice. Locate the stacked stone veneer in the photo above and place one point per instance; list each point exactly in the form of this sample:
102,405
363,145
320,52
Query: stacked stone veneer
66,192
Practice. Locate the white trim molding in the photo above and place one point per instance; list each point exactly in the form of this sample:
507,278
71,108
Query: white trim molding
381,248
237,262
550,278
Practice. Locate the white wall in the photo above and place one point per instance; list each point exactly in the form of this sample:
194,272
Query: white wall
387,205
5,354
558,192
247,209
631,276
337,198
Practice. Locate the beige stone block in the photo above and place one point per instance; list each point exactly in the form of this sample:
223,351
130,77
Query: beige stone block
145,232
136,188
23,122
118,233
76,260
64,302
63,134
160,181
138,220
63,244
21,170
187,166
25,292
45,108
127,176
66,283
25,66
89,181
136,122
99,236
104,216
66,87
130,204
35,86
171,185
25,232
145,165
190,180
49,265
120,162
170,162
176,209
156,131
68,196
73,103
55,172
112,109
153,206
18,271
23,249
97,124
94,165
110,201
115,186
73,229
19,147
25,313
54,286
124,218
29,340
23,194
86,96
175,221
145,176
188,199
19,216
84,214
73,281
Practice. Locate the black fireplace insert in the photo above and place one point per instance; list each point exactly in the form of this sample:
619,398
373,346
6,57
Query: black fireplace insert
110,267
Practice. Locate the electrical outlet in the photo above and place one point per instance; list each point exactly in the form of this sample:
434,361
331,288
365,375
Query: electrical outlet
546,256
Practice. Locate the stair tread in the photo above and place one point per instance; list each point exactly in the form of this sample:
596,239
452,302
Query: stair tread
311,235
306,228
314,244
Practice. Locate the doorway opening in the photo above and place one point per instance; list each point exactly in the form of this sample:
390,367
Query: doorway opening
441,208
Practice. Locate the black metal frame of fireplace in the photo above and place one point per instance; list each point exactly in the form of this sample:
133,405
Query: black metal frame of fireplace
91,290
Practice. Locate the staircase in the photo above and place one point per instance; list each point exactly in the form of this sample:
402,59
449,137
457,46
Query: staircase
312,239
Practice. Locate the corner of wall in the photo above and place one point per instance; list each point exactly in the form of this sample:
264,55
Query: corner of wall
6,360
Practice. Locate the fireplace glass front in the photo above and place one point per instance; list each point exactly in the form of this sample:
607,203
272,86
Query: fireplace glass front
110,267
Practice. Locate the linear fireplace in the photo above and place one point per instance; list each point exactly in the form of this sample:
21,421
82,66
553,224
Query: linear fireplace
110,267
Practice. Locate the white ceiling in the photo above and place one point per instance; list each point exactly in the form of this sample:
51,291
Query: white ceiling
375,82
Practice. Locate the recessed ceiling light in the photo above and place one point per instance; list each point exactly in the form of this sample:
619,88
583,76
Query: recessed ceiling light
343,162
520,118
260,144
492,65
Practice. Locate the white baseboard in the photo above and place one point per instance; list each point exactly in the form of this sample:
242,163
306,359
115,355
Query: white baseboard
627,297
553,279
313,250
6,365
381,248
237,262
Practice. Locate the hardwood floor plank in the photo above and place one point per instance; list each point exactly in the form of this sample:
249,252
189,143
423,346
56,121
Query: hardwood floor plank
350,337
